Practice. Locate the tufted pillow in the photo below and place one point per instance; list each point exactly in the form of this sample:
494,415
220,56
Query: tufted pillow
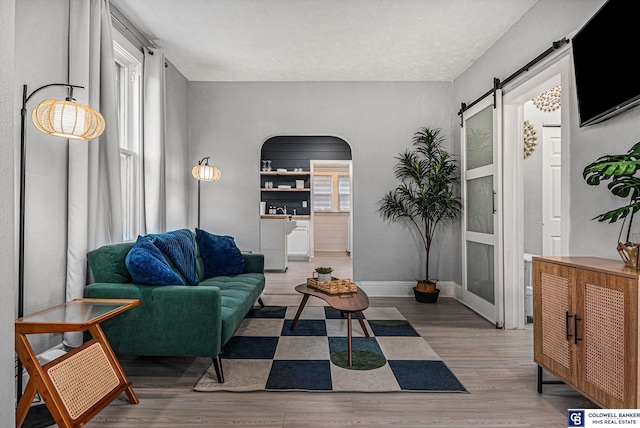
147,265
220,255
180,248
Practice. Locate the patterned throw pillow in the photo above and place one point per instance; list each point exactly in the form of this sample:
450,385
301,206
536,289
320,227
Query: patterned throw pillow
147,265
220,255
179,247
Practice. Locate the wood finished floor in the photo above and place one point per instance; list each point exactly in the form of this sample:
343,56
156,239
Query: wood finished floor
496,367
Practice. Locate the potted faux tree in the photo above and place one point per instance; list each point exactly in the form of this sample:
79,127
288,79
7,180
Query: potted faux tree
425,197
621,170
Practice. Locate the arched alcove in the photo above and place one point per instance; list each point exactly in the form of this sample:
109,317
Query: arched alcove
297,152
294,161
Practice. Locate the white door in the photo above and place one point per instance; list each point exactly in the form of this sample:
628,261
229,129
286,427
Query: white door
482,198
551,191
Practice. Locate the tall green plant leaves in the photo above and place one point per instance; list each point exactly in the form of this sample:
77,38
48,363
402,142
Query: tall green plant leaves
426,194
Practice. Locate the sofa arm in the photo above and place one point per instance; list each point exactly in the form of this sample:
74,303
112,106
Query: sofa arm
180,321
187,321
254,262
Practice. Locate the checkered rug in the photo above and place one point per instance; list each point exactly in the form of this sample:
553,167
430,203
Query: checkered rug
265,355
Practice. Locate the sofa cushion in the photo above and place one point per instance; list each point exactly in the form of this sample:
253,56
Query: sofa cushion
180,248
147,265
220,255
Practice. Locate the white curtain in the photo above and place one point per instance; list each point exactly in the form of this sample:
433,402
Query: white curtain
154,144
94,193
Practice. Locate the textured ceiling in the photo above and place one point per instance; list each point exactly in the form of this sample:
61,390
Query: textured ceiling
323,40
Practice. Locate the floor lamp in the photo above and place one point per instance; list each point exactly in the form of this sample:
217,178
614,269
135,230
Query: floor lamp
66,119
204,172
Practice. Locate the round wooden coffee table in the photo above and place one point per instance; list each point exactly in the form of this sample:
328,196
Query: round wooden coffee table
349,303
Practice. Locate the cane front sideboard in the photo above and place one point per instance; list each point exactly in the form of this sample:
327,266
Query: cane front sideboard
585,322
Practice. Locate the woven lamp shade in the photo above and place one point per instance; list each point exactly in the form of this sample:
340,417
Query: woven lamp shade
68,120
206,173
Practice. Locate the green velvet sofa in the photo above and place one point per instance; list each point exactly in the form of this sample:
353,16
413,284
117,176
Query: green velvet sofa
181,320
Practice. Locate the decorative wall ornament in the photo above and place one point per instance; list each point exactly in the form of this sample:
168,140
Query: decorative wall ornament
530,139
549,100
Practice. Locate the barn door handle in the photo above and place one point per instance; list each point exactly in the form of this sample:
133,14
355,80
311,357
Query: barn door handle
567,316
575,329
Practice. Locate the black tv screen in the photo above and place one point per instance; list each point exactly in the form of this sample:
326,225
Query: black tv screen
605,55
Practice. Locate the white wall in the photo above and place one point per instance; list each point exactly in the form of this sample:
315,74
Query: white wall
230,121
7,211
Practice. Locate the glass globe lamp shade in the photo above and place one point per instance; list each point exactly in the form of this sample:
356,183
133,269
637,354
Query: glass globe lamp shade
67,119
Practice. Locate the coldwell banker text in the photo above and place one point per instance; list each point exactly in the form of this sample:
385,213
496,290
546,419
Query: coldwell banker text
590,418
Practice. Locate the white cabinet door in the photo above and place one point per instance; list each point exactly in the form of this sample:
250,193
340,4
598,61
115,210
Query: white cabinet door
298,241
273,243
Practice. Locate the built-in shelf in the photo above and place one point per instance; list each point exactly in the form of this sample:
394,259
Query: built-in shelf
293,189
284,173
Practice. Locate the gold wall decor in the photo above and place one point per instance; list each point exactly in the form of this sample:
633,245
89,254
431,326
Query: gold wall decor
530,139
548,100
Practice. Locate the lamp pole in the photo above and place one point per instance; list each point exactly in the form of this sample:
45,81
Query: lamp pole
204,172
198,204
23,170
41,417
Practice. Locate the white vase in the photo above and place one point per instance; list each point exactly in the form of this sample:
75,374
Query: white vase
324,277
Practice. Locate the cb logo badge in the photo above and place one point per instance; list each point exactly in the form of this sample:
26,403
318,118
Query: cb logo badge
575,418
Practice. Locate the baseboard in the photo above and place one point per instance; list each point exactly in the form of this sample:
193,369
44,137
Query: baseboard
402,288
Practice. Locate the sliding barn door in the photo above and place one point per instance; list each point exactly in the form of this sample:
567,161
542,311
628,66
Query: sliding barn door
482,225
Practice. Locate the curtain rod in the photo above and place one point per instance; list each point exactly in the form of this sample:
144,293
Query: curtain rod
497,84
123,24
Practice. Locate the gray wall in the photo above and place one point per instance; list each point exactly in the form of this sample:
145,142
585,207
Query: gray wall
230,121
7,211
177,164
546,22
40,59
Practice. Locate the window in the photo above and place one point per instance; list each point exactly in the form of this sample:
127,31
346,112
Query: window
344,192
322,192
331,192
128,85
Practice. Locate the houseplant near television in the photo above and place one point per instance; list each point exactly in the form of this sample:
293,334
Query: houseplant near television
425,197
621,171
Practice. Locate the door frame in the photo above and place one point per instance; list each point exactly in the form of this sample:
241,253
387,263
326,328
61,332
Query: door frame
313,164
515,94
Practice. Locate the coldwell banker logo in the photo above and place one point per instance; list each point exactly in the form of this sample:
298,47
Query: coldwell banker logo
575,418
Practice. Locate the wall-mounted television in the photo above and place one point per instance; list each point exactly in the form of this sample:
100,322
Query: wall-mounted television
605,55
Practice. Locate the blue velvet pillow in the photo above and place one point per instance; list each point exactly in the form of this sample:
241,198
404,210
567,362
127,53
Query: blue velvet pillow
147,265
220,255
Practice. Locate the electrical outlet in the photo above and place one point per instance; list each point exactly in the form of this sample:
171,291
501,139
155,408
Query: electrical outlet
304,204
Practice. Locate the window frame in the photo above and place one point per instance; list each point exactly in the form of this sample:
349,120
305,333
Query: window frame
335,191
130,60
